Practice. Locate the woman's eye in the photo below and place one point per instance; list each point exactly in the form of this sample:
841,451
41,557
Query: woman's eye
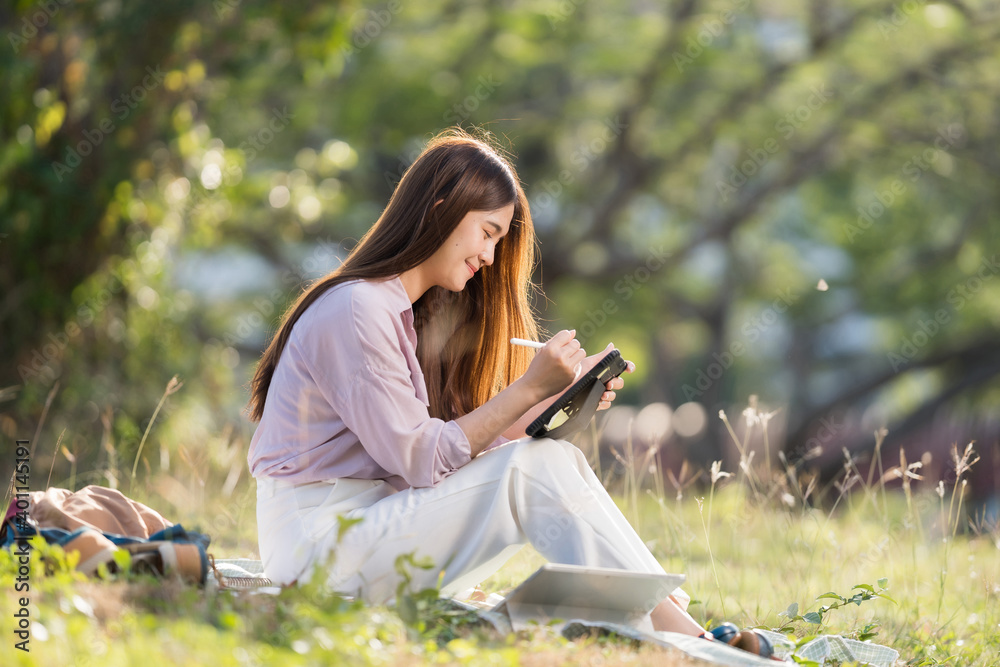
488,235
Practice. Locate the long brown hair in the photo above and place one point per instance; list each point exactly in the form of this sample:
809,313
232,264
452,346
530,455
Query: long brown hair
463,337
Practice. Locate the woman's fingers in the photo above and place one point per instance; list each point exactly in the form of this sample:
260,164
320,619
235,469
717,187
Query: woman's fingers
615,383
565,345
618,383
561,338
563,354
606,400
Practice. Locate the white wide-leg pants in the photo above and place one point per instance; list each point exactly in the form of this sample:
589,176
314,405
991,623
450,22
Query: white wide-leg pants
541,492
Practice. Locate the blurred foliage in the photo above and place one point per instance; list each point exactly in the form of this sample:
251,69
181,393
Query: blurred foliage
172,173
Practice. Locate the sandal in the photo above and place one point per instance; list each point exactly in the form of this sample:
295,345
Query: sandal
749,639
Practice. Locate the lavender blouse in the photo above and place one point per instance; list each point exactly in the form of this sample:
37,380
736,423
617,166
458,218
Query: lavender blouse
348,398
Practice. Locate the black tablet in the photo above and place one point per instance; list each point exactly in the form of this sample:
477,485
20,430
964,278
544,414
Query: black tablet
576,407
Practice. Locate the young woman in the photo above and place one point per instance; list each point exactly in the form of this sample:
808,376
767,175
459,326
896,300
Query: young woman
391,395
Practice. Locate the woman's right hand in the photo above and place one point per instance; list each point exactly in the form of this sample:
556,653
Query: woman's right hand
556,365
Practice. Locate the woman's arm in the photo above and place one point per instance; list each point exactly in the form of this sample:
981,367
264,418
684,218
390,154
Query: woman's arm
551,371
519,428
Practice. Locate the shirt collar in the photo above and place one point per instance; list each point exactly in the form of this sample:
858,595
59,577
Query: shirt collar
399,299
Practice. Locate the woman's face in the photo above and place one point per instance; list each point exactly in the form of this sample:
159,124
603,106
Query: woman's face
469,247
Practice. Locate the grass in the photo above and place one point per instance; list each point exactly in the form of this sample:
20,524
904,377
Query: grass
760,550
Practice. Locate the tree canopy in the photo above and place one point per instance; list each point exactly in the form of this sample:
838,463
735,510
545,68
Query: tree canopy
793,200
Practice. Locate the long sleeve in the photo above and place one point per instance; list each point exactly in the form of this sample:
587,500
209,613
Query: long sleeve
365,366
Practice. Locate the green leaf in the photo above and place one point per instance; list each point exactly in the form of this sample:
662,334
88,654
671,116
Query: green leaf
867,587
345,523
123,559
832,596
229,620
407,610
883,583
792,611
886,597
812,617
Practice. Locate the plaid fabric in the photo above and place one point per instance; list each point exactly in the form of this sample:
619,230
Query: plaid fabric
835,647
828,649
246,566
240,573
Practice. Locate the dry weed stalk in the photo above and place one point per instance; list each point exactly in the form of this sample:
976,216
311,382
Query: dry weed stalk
750,416
686,479
711,556
172,388
963,464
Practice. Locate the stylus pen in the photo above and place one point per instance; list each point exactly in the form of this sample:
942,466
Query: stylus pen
527,343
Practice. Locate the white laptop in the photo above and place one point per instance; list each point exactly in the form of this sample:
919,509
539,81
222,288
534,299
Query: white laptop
559,593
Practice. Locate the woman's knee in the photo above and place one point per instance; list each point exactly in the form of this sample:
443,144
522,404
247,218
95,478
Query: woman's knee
537,453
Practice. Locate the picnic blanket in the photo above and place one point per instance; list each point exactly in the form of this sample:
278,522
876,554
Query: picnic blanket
97,523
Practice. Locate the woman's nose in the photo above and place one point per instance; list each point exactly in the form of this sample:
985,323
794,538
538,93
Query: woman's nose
487,255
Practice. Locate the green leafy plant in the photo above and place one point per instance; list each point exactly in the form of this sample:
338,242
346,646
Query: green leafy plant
413,607
861,593
426,614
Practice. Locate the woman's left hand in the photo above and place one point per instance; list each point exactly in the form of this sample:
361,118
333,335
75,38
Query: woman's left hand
614,384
